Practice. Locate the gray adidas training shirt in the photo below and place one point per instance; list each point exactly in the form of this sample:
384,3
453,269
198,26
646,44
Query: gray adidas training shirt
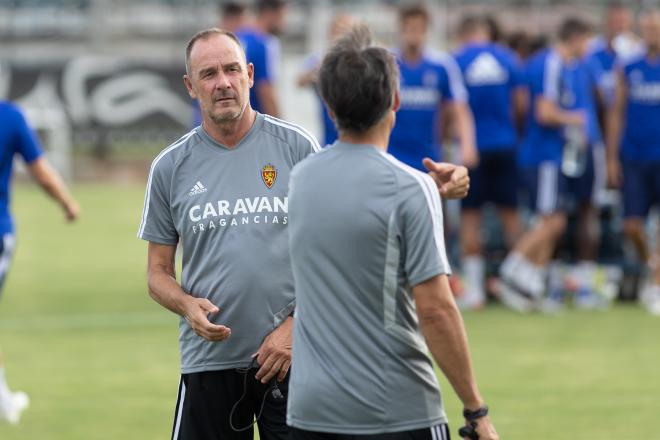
228,208
363,229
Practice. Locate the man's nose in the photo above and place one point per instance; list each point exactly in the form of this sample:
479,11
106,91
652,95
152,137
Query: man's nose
223,82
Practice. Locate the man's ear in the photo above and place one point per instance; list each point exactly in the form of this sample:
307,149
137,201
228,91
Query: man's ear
396,104
189,87
250,72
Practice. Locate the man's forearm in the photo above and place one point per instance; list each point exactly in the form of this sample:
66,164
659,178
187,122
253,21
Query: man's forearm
48,179
465,127
445,335
266,93
165,290
548,113
613,134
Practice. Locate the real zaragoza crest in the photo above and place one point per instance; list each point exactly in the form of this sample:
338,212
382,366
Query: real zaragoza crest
269,175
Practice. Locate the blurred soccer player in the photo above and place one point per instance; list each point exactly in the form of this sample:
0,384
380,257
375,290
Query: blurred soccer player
308,78
16,138
233,16
552,122
370,274
614,39
430,83
634,149
262,47
494,79
220,192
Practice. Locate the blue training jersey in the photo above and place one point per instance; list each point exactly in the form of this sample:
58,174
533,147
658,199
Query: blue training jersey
491,73
263,51
546,77
425,84
605,57
641,135
15,138
582,76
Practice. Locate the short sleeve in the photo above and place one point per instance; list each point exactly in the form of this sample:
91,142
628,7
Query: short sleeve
157,224
546,78
24,139
420,222
305,143
451,85
595,70
273,50
265,56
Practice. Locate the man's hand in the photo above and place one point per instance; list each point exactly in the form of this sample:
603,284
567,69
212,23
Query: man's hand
452,180
274,355
196,312
71,210
486,430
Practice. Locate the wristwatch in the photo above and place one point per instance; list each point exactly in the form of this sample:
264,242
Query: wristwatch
478,413
470,429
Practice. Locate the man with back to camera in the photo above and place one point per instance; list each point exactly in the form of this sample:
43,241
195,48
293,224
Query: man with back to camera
16,137
370,271
262,46
633,148
221,191
552,114
494,79
431,86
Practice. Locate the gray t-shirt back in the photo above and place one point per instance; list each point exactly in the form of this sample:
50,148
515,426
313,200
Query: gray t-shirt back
228,210
363,229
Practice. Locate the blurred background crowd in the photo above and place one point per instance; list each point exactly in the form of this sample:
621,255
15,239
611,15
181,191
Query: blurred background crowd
524,93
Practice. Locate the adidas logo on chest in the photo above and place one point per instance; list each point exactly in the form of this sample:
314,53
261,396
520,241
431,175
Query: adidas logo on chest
199,188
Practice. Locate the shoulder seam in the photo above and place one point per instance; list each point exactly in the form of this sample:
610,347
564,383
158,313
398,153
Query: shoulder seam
298,129
147,197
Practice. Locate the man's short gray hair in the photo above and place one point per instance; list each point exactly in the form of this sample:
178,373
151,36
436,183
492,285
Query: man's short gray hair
357,80
207,33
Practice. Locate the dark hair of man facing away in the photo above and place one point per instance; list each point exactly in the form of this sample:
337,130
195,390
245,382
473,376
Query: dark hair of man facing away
358,80
571,28
471,23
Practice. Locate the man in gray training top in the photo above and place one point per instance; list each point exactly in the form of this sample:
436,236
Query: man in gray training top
221,193
370,272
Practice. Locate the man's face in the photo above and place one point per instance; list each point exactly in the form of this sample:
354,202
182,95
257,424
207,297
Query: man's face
617,21
219,78
413,32
650,29
579,45
277,20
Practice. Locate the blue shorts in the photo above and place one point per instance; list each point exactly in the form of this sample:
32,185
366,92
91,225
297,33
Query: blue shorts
545,188
582,189
494,180
641,188
6,253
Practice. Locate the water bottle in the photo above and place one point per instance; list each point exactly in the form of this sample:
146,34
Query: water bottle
576,148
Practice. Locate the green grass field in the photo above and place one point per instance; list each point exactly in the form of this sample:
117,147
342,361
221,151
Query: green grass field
99,359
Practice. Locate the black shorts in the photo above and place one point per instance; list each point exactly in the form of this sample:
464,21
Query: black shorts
494,180
206,400
437,432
